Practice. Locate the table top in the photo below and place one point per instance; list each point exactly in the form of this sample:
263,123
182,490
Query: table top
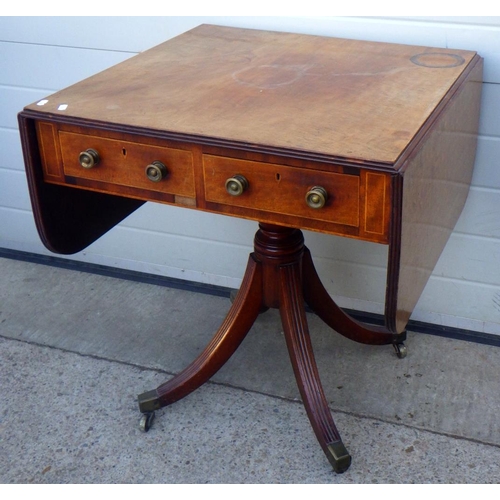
330,97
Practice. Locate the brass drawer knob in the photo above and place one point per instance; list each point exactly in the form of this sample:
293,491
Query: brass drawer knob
316,197
156,171
89,158
236,185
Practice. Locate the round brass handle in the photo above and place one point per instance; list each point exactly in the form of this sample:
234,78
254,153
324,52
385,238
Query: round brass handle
156,171
316,197
236,185
89,158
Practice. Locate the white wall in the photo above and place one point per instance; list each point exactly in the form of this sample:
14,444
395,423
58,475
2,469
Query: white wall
43,54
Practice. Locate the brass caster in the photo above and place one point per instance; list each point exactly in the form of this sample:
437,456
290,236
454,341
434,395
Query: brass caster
146,421
338,456
401,350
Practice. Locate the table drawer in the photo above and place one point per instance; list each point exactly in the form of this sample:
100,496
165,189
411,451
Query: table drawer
281,190
122,161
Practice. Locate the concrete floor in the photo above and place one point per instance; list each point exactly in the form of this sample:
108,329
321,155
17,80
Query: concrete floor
78,348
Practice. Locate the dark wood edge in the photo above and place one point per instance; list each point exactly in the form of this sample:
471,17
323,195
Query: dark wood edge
67,220
209,141
394,254
33,174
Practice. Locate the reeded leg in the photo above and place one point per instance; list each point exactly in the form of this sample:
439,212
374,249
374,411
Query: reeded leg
293,317
322,304
233,330
280,274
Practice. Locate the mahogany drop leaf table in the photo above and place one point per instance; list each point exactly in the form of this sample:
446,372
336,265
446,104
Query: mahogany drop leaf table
364,140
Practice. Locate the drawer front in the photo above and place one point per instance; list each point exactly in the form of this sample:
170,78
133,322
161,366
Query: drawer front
281,190
121,166
357,205
124,163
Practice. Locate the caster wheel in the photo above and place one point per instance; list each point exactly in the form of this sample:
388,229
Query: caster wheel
146,421
401,350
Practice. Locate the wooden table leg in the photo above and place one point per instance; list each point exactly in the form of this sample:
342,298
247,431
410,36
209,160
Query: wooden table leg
233,330
280,274
318,299
293,317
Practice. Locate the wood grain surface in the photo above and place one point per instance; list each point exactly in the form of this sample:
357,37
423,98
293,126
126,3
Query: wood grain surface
334,97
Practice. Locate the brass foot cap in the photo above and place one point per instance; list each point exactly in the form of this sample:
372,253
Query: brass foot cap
339,457
149,401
